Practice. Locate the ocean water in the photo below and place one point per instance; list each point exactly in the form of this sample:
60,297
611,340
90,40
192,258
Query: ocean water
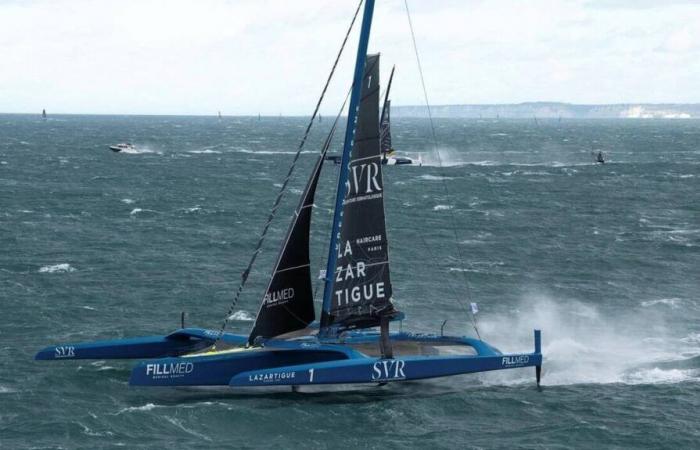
605,259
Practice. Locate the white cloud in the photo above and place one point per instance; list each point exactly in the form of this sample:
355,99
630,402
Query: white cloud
272,56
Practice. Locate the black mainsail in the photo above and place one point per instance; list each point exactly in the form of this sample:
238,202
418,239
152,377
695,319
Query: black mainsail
288,303
361,287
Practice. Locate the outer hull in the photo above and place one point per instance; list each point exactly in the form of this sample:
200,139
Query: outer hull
181,359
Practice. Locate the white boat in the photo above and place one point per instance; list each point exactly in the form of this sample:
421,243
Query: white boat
122,146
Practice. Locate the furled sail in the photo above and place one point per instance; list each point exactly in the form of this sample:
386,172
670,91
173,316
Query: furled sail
361,287
288,301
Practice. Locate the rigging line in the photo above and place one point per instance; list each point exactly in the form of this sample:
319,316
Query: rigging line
437,153
283,188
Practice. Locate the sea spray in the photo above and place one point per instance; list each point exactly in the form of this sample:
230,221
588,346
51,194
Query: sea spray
581,344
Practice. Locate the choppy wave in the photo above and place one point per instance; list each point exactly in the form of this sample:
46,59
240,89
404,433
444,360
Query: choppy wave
204,152
243,316
57,268
671,302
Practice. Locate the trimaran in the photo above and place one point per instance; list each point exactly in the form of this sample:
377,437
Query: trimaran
352,344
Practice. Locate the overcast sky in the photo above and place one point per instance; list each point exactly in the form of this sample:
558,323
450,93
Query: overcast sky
272,56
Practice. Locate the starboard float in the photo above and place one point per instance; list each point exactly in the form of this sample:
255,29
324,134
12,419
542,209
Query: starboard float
352,343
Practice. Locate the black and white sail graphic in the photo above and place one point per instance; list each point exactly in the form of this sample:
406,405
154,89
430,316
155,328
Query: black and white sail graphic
288,301
385,128
361,290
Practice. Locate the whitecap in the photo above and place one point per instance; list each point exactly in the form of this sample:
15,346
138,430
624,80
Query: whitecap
241,315
204,152
442,207
135,211
434,177
146,407
672,302
128,201
659,376
89,308
57,268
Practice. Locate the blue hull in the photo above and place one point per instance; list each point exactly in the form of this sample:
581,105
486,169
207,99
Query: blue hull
180,342
303,361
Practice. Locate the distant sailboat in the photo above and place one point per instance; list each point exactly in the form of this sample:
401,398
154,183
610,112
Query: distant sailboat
219,116
43,114
599,157
388,153
286,346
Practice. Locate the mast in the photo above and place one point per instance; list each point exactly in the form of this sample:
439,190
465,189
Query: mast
344,164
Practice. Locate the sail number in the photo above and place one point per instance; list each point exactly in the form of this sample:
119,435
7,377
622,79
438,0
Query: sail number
311,375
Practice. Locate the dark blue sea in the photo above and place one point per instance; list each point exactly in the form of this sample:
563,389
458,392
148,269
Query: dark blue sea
605,259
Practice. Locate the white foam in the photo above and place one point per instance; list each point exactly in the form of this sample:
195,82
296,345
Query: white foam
243,316
57,268
204,152
146,407
672,302
140,150
442,207
581,345
434,177
6,390
128,201
140,210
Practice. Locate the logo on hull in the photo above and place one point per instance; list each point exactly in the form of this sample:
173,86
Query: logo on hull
169,370
511,361
389,370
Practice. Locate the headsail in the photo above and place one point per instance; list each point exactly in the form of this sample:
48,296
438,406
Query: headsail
288,303
361,287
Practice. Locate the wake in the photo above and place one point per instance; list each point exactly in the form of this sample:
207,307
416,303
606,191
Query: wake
581,346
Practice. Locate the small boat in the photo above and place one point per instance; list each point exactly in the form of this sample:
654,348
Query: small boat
389,156
599,157
123,146
352,343
43,114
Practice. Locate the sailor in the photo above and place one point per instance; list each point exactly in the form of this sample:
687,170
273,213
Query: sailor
600,158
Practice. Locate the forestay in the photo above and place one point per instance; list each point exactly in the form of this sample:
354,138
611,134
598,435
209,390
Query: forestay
361,289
